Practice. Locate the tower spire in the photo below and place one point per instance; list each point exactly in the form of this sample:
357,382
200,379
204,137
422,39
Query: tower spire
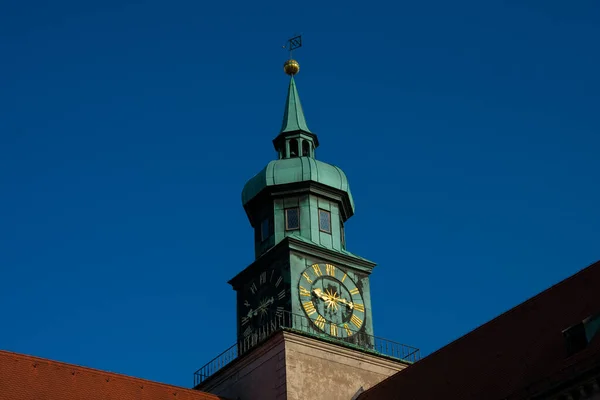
294,139
293,116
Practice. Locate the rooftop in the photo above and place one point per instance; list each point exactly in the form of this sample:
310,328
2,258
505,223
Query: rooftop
28,377
518,355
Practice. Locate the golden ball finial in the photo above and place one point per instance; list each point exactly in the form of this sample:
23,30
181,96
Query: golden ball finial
291,67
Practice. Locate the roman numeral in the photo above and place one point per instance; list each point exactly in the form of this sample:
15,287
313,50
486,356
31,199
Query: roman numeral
278,282
271,278
348,331
305,275
359,307
309,307
248,331
279,311
344,277
245,320
281,295
320,322
354,291
333,330
330,269
253,288
304,291
356,321
263,278
317,269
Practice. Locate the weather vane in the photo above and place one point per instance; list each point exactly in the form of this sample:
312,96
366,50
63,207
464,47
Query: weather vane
291,66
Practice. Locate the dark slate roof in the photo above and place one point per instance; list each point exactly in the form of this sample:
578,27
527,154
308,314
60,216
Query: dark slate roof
519,353
33,378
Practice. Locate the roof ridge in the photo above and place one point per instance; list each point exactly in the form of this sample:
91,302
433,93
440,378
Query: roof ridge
522,304
487,325
27,357
515,308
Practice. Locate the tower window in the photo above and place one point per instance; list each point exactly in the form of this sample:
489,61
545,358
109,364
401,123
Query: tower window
293,148
324,221
305,148
265,229
342,234
292,219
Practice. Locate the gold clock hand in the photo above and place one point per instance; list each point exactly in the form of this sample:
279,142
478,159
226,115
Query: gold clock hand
262,308
348,303
319,293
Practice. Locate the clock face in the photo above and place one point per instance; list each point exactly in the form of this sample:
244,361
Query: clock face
263,298
331,299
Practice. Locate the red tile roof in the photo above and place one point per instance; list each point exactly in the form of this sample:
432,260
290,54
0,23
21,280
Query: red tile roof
25,377
515,355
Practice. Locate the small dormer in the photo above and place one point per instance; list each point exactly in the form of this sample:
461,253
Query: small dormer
578,336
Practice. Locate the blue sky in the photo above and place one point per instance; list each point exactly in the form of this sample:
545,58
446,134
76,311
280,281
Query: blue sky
469,131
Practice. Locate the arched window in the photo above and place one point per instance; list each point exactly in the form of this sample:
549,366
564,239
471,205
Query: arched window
293,148
305,148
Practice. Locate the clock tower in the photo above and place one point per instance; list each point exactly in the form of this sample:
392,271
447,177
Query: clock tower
304,320
303,276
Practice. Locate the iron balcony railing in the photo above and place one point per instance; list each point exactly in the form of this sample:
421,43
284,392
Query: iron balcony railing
301,324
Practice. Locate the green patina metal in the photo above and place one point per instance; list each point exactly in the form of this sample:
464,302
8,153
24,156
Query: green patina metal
293,117
295,138
295,170
342,251
297,181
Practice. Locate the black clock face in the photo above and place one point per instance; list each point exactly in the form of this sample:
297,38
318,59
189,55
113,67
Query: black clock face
331,300
264,297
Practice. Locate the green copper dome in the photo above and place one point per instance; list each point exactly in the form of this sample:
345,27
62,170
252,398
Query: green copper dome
294,170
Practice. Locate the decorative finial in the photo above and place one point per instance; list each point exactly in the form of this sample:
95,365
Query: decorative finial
291,66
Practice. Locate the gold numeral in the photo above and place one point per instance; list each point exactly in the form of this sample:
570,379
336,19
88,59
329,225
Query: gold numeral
278,281
356,321
359,307
309,307
348,331
330,269
253,288
320,322
354,291
305,275
317,269
304,291
333,330
344,277
263,278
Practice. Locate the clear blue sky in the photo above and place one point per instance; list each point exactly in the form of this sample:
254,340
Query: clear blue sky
469,131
